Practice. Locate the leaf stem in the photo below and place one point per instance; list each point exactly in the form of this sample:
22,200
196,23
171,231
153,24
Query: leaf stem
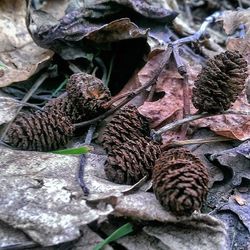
156,134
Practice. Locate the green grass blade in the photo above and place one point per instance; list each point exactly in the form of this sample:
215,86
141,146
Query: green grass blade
73,151
120,232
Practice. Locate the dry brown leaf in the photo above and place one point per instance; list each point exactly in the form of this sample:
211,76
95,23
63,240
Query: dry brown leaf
231,126
233,19
19,55
169,108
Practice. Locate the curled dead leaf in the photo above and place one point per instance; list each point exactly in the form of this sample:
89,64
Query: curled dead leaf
20,56
233,19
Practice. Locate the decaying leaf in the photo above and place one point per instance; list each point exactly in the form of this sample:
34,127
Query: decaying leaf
20,56
239,237
232,126
41,197
38,196
204,235
72,35
11,236
233,19
8,108
13,239
242,210
238,164
170,82
156,10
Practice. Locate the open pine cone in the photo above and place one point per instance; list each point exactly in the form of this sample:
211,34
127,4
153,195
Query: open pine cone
220,82
131,161
88,94
126,124
180,181
40,131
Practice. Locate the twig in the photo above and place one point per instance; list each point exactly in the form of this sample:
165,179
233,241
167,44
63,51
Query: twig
197,35
115,99
185,90
22,246
80,176
156,134
165,57
21,103
74,68
151,93
195,141
37,84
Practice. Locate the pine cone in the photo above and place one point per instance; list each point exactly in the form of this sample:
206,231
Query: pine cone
127,124
180,181
131,161
220,82
65,106
88,94
41,131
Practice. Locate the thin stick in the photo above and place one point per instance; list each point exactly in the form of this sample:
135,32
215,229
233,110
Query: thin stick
37,84
156,134
185,89
82,164
196,141
197,35
151,93
115,99
21,103
165,57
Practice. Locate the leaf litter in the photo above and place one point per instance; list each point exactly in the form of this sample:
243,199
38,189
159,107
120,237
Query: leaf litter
64,211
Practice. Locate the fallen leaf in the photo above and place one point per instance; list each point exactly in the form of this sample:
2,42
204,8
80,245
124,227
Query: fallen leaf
8,108
205,235
20,56
239,237
11,236
73,36
233,19
243,211
238,198
238,164
12,239
39,195
156,10
169,107
244,149
231,126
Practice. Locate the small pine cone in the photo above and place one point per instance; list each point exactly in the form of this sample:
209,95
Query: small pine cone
65,106
131,161
220,82
126,124
180,181
40,131
88,94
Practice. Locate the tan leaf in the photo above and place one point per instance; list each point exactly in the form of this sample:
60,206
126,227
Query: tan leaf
232,126
20,57
233,19
241,201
